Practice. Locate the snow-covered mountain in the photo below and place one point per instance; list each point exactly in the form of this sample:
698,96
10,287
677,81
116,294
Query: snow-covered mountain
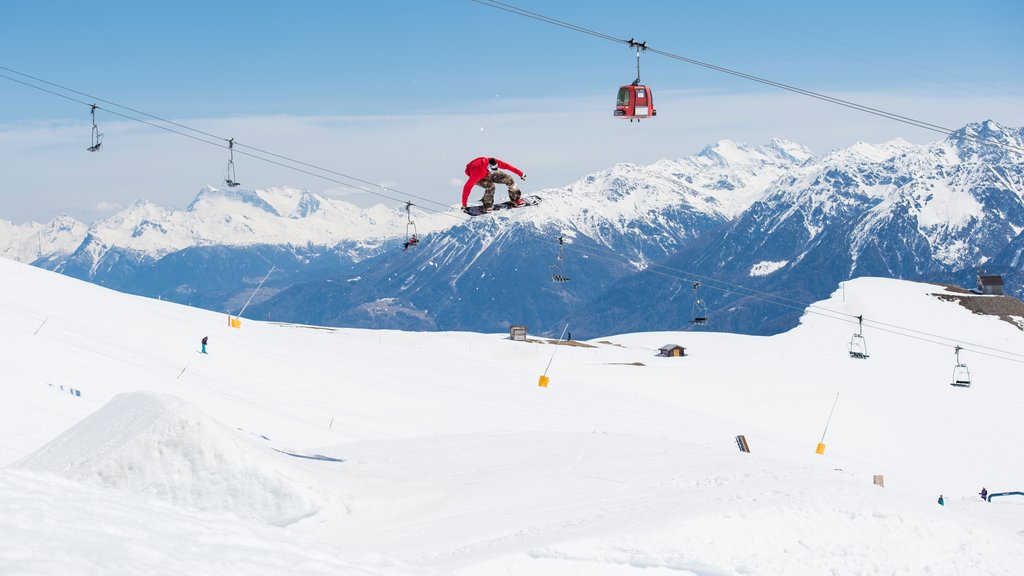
935,212
488,273
239,217
225,241
772,219
213,253
31,241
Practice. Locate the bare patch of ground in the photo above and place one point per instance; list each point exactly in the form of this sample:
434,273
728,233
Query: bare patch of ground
1006,308
560,342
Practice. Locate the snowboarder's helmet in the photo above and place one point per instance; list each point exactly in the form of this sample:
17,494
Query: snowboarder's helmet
492,164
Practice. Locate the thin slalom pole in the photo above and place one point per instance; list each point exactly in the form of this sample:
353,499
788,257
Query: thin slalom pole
239,315
821,444
543,383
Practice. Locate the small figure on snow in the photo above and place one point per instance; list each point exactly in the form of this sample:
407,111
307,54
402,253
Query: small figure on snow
205,340
486,172
942,501
983,493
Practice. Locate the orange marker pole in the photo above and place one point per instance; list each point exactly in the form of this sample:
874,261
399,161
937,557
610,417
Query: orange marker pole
543,382
820,450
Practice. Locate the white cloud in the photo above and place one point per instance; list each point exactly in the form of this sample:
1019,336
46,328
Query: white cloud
108,207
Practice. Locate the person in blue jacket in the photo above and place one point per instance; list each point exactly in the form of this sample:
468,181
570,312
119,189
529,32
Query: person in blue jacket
941,501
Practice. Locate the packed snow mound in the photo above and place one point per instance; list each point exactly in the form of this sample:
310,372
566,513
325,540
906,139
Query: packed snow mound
163,446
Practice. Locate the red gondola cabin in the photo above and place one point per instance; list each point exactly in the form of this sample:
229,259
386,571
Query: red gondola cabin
635,102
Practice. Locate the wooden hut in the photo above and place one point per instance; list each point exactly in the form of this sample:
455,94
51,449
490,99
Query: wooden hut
672,350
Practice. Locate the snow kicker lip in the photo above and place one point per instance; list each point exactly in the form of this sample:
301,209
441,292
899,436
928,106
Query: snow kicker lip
310,456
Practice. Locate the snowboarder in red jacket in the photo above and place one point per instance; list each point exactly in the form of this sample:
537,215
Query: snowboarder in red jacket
486,172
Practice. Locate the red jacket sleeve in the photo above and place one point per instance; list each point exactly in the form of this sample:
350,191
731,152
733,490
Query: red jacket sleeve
469,186
506,166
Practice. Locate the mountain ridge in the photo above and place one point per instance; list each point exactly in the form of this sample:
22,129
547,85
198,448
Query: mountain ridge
774,218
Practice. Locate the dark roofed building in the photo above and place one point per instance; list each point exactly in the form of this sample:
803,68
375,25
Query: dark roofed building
990,284
517,333
672,350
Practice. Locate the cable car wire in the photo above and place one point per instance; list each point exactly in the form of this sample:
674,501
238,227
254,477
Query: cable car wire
810,93
868,52
237,145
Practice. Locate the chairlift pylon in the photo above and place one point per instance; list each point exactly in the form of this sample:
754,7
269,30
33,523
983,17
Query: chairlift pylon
411,237
858,345
97,138
699,311
961,374
557,268
229,175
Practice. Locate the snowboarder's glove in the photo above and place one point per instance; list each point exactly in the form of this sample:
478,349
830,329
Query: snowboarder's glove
523,177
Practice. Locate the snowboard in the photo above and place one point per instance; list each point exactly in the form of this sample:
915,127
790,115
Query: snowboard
478,209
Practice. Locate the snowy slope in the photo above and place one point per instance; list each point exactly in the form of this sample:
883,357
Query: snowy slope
410,452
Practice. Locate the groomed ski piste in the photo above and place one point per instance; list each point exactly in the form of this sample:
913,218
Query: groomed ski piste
302,450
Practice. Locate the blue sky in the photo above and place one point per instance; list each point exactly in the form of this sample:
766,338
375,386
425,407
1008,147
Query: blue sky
404,93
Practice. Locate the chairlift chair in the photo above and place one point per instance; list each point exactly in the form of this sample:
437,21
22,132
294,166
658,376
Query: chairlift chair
961,374
97,138
635,101
411,236
700,313
699,310
229,175
557,274
858,345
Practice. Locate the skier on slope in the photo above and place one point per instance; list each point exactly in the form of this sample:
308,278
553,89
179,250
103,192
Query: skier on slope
486,172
